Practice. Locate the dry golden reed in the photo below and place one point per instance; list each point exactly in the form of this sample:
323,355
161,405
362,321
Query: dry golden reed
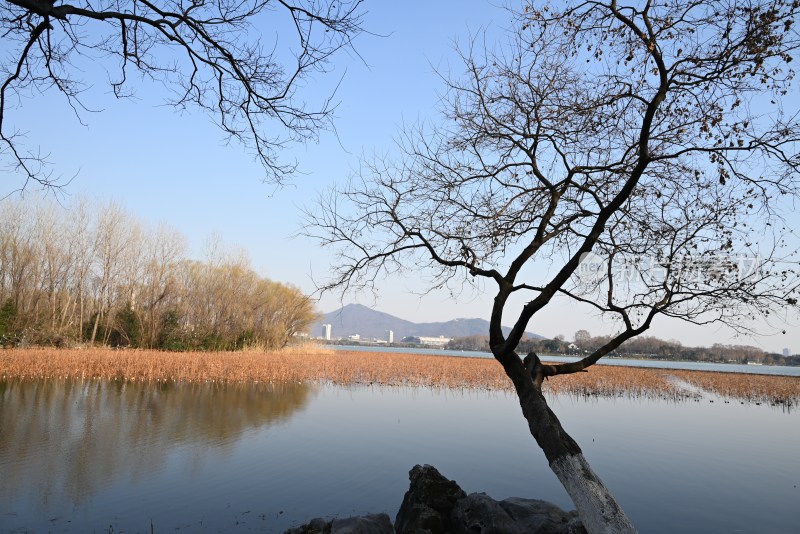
313,364
614,381
745,387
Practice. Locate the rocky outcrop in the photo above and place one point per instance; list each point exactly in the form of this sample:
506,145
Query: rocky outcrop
428,502
434,504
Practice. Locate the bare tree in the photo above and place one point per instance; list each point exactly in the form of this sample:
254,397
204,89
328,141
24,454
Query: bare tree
280,312
227,304
164,248
98,275
55,267
209,53
81,252
631,158
114,229
18,260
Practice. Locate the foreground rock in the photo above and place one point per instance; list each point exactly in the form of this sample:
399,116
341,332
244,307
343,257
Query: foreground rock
480,513
434,504
428,502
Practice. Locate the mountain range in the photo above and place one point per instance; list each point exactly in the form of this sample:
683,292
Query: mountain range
372,324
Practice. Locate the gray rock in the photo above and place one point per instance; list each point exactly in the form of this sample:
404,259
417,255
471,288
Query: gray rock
541,517
477,513
367,524
428,502
315,526
434,504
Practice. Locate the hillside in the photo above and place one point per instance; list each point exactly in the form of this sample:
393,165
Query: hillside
368,323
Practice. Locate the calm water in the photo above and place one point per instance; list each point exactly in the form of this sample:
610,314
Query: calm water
782,370
103,457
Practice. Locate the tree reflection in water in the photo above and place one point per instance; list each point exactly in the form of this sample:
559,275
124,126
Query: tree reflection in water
78,437
87,456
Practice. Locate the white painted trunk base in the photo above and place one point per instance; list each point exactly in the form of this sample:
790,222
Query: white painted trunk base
596,507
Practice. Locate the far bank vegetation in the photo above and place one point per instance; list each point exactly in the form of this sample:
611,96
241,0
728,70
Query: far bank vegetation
648,347
87,275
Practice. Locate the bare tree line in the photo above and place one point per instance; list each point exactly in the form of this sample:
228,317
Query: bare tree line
655,348
640,347
97,275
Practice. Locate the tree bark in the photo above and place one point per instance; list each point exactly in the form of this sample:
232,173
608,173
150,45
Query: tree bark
596,506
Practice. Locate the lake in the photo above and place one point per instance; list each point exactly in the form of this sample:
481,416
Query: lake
779,370
117,457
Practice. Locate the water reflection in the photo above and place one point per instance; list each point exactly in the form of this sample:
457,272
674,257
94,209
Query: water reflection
87,457
75,438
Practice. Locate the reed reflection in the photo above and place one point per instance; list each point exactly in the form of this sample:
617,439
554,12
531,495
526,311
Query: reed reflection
72,439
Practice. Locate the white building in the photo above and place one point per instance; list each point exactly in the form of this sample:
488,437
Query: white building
326,332
391,336
435,342
787,352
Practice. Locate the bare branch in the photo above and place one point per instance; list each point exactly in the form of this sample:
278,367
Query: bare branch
606,129
209,53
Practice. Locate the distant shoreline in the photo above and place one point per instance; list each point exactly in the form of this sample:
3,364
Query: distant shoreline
617,360
378,347
390,369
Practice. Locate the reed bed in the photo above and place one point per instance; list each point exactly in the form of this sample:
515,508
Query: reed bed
311,364
775,390
613,381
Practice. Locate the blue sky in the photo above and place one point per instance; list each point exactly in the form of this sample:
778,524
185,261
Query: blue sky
176,168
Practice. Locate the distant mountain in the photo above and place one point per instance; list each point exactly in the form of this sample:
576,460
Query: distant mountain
372,324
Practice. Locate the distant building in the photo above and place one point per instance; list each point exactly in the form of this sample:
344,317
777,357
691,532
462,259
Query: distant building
354,337
326,332
437,342
787,353
390,337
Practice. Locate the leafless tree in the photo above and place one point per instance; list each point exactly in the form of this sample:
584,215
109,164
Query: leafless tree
164,250
208,53
225,302
114,229
79,273
631,158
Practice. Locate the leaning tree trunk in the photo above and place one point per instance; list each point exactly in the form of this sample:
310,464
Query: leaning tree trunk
596,507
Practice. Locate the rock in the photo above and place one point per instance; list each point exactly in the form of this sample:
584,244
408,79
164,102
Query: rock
315,526
434,504
541,517
477,513
428,502
367,524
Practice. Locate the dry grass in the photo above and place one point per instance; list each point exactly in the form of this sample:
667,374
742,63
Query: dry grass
783,390
306,364
614,381
312,364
